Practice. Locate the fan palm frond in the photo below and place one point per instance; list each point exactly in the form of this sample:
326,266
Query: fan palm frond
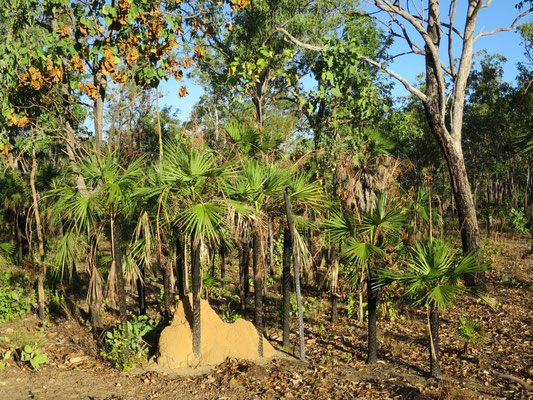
201,220
340,226
360,253
304,190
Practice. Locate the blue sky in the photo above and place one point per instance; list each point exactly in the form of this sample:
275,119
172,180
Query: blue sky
499,14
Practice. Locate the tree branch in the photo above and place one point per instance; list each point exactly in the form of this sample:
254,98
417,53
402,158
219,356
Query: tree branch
298,43
451,13
393,74
509,28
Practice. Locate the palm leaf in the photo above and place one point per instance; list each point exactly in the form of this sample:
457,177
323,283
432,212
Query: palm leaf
68,253
303,190
360,253
339,226
441,296
201,220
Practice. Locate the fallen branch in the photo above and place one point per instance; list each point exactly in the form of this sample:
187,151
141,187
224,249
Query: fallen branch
523,383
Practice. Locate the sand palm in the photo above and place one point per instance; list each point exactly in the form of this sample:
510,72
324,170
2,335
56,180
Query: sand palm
189,180
433,280
109,200
369,244
254,195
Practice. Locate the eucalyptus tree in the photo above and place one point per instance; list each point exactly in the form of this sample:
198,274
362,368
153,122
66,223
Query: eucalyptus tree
247,53
443,98
432,279
370,241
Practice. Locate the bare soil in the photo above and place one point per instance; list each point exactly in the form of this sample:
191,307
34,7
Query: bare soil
501,367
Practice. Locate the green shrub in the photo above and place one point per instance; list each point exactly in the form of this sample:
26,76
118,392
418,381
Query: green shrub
15,299
311,307
518,220
33,355
230,316
116,342
3,359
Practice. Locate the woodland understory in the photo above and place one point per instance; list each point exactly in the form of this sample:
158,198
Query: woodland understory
335,366
382,243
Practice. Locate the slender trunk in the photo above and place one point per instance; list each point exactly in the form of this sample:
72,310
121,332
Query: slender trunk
20,243
94,296
286,288
98,110
179,254
531,226
41,297
372,301
212,263
166,287
186,266
117,260
258,287
270,247
196,288
162,258
434,349
308,273
296,277
526,198
361,313
244,276
334,283
222,253
141,295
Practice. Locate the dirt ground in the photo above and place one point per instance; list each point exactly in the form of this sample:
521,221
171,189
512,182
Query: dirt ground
501,367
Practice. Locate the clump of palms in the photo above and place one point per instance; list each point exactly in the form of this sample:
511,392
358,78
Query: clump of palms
187,185
104,208
433,279
370,242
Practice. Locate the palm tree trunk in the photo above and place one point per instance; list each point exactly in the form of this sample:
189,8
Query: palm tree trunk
212,271
141,295
244,276
270,247
196,287
117,259
166,287
258,288
372,301
222,254
296,277
179,254
434,347
360,314
286,287
20,244
94,297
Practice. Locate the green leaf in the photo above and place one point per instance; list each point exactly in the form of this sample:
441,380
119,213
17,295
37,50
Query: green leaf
335,91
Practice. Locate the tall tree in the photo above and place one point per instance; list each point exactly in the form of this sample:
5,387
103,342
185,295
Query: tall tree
443,98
